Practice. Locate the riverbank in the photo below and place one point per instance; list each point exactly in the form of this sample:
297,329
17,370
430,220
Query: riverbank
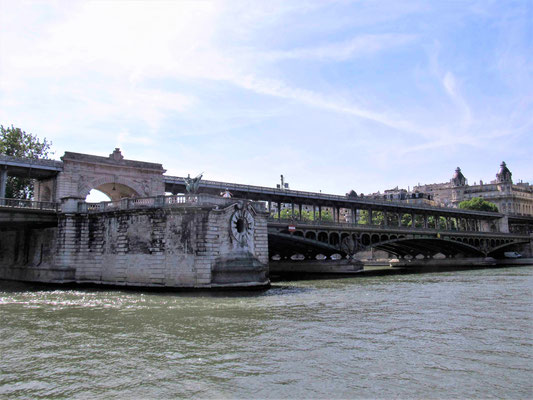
382,267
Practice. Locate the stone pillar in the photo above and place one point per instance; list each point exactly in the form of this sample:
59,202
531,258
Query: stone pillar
320,213
3,181
484,226
425,221
385,218
448,227
292,209
412,221
503,224
370,216
353,215
279,210
71,204
399,219
300,210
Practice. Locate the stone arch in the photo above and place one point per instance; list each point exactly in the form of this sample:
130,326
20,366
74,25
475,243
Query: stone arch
115,187
310,235
46,194
298,233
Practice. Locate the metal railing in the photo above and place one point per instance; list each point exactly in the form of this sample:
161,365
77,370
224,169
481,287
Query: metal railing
361,201
29,204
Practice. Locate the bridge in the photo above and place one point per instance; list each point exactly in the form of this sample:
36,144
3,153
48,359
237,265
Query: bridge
354,223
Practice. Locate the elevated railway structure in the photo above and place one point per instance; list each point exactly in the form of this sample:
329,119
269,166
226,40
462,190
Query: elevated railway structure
351,224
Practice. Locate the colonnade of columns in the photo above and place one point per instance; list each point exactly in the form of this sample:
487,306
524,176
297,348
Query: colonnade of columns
384,218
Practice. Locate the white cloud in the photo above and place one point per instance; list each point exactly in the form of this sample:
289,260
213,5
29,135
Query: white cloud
450,84
361,45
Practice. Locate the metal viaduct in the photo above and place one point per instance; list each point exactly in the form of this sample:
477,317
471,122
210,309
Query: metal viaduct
401,229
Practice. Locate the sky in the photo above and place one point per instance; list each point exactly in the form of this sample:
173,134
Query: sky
334,95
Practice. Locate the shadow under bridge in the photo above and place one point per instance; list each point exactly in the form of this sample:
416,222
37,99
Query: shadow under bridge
348,240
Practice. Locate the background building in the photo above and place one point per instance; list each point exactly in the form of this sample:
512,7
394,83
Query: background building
510,198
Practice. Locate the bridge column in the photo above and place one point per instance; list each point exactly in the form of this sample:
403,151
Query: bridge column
320,213
279,210
292,210
425,221
3,181
385,218
399,219
300,210
314,212
353,216
412,220
448,223
370,217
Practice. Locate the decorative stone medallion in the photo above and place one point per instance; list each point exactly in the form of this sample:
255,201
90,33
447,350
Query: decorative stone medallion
242,224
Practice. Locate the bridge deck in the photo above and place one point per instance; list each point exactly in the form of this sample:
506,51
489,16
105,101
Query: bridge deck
176,184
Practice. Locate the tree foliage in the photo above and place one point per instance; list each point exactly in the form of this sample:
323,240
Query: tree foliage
17,143
478,204
306,215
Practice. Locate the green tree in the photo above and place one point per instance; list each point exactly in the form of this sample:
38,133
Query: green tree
17,143
478,204
306,215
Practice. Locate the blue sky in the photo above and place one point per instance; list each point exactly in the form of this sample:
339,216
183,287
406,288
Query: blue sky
335,95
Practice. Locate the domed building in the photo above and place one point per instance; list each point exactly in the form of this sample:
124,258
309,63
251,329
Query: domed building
510,198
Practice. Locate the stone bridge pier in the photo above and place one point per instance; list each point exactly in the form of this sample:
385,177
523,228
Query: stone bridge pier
194,241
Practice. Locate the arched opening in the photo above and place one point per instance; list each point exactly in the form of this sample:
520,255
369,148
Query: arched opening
46,194
116,191
96,196
310,235
334,238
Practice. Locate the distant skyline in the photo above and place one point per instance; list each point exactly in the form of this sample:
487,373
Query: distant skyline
334,95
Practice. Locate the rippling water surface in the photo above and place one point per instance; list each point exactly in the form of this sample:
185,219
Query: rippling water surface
440,335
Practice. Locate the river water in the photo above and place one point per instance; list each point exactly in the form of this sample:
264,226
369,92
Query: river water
461,334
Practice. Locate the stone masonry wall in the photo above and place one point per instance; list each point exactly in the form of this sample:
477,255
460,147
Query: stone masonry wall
161,247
